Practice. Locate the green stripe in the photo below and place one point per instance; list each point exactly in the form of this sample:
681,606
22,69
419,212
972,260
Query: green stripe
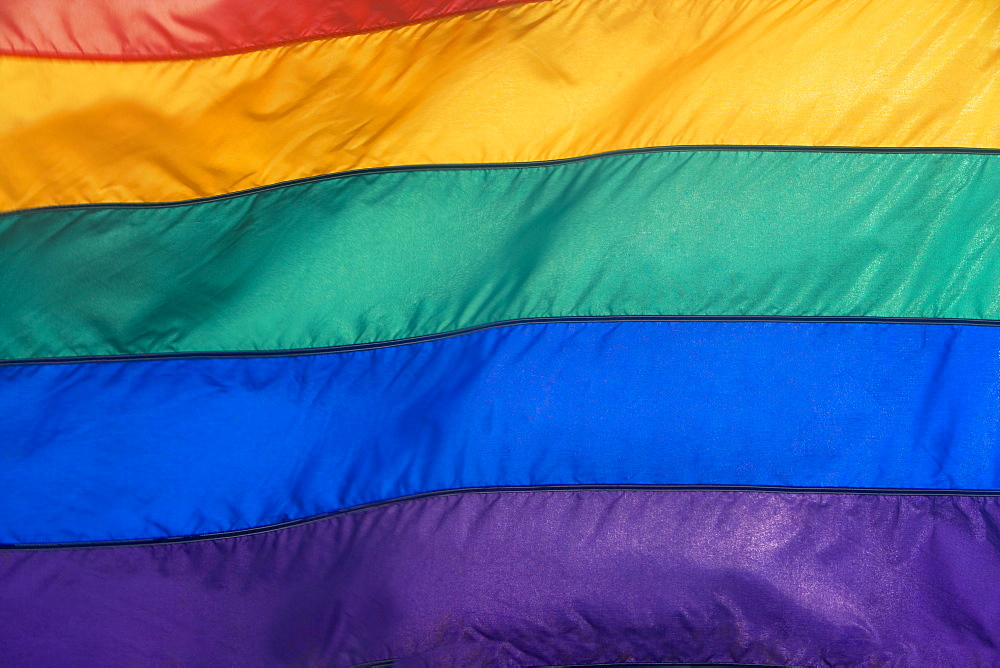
373,257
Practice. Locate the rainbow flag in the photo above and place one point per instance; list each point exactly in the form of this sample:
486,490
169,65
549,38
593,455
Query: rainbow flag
499,332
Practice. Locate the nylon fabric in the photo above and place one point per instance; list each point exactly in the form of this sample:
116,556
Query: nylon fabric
389,256
537,579
165,29
208,445
501,86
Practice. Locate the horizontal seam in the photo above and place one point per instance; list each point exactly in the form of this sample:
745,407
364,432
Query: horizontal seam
531,164
438,336
259,46
509,489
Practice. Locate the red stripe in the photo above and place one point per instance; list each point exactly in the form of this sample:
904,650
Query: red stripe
167,29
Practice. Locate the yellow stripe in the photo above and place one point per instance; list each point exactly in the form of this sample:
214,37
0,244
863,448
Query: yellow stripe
532,82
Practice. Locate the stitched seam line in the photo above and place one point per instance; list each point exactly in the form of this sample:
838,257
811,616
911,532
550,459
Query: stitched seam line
428,338
532,164
523,489
260,45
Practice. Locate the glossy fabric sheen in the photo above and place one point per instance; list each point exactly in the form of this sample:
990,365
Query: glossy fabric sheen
149,449
395,255
531,82
537,578
163,29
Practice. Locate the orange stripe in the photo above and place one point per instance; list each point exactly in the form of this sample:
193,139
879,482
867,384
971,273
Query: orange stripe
532,82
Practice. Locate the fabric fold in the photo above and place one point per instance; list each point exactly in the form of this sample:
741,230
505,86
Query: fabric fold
381,257
531,82
534,579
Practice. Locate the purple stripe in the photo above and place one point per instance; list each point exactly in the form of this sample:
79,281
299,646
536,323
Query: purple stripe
533,578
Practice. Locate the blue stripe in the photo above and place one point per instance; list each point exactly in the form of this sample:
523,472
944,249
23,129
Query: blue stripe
132,450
